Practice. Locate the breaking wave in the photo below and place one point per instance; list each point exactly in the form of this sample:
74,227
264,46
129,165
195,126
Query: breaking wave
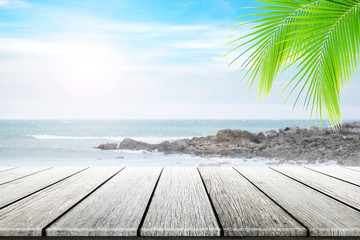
107,138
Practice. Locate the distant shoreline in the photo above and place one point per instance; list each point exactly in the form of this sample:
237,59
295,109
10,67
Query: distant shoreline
65,143
287,144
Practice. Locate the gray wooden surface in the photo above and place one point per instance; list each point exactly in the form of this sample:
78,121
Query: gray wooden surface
28,217
243,210
340,173
343,191
354,168
110,202
126,197
180,206
17,173
2,169
320,214
20,188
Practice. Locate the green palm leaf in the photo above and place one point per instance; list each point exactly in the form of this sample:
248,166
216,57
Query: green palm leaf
320,39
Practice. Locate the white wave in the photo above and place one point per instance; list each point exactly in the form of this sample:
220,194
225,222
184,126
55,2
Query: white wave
108,138
54,137
132,151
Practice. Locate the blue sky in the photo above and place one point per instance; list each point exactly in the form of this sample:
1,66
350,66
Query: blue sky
95,59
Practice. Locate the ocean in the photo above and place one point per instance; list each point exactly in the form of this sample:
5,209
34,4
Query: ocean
71,142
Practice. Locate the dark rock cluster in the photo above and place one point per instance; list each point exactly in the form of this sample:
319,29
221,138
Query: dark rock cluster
290,143
107,146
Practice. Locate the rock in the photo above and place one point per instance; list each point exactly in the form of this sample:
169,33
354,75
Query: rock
289,130
271,133
228,135
107,146
289,144
315,128
259,137
164,147
180,145
351,127
131,144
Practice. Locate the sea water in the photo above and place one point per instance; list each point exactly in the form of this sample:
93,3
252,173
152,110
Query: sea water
71,142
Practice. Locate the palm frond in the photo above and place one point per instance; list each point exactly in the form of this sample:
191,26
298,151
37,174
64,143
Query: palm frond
320,38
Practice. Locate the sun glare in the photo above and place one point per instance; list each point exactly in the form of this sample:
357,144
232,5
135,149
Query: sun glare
90,63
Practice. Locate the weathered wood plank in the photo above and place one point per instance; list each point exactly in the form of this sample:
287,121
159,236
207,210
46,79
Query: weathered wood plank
126,197
243,210
341,173
354,168
3,169
20,188
343,191
322,215
180,206
17,173
29,216
181,238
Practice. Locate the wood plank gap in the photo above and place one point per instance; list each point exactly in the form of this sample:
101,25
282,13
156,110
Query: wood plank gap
43,231
138,232
333,176
180,206
175,238
307,229
212,205
6,205
338,200
8,169
26,175
353,169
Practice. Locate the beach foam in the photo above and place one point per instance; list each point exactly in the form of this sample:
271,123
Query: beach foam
108,138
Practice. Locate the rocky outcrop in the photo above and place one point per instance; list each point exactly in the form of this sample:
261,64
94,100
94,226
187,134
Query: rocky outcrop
107,146
131,144
353,128
290,143
289,130
271,133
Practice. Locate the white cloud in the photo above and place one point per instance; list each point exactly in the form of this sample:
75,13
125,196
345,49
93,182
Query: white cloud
75,68
84,22
85,79
4,2
49,48
14,4
213,44
91,68
85,70
192,36
146,28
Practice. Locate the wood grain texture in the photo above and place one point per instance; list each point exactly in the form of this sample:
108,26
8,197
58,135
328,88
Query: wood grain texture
341,173
343,191
322,215
20,188
180,206
126,197
29,216
3,169
243,210
354,168
17,173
